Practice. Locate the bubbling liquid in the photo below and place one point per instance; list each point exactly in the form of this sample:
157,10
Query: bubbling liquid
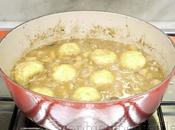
88,70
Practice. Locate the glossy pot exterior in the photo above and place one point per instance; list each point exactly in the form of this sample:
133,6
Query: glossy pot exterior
53,113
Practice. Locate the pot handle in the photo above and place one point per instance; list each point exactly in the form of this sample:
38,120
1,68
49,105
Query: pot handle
3,33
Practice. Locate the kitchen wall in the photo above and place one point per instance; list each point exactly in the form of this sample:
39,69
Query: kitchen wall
21,10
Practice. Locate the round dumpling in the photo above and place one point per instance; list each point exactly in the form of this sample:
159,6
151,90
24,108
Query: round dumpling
69,49
25,70
132,60
103,57
64,73
102,77
43,90
86,94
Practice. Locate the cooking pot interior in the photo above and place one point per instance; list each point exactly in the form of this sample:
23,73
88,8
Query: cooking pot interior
85,24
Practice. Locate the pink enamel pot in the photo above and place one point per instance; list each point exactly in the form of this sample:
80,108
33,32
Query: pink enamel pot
54,113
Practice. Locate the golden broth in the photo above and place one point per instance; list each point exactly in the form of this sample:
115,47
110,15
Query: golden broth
88,70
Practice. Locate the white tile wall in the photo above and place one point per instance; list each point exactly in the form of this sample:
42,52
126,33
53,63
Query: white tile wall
21,10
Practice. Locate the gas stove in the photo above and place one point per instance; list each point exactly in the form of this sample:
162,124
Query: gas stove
11,118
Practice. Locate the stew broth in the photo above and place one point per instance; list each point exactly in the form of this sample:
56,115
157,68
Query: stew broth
88,70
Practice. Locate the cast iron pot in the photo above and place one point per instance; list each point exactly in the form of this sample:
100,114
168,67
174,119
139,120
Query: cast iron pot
55,113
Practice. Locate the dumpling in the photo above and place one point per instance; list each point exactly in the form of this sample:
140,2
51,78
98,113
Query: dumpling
69,49
25,70
132,60
103,57
43,90
102,77
64,73
86,94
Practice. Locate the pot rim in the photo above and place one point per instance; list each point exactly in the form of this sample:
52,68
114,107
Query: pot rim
172,72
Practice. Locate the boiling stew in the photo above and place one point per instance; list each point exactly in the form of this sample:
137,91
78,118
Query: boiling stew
88,70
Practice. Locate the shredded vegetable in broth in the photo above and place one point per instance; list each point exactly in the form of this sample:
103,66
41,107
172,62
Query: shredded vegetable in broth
88,70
